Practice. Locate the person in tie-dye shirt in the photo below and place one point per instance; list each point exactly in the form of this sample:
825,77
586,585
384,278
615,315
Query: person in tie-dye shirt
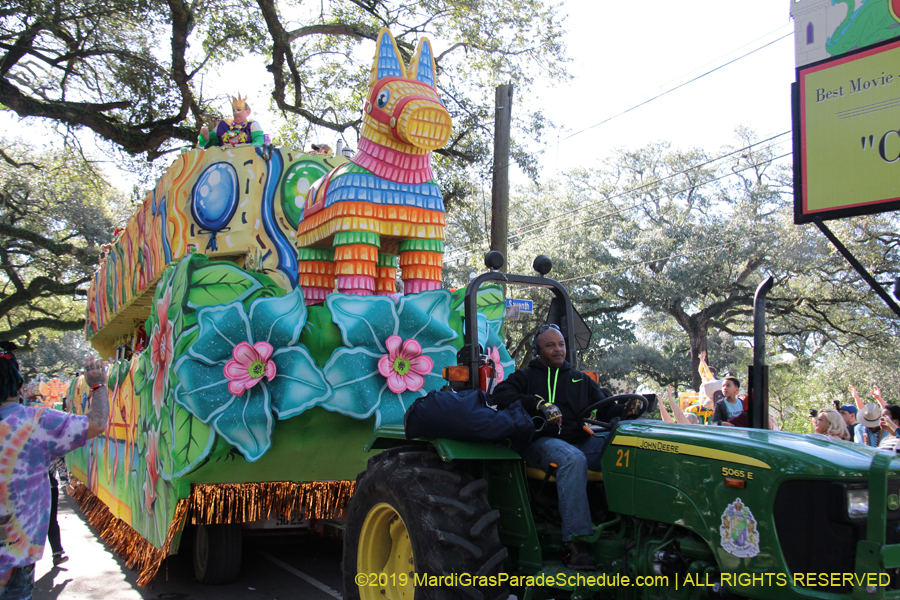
31,438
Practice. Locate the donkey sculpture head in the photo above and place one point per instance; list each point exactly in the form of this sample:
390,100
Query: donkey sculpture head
382,209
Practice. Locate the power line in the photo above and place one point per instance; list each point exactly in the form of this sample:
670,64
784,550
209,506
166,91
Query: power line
682,172
470,248
663,179
661,94
599,217
467,250
623,209
622,268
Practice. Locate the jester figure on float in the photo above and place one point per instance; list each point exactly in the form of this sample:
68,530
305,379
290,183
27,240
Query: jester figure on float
384,203
239,130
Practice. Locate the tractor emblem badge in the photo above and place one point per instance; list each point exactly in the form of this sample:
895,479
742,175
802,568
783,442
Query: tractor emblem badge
739,531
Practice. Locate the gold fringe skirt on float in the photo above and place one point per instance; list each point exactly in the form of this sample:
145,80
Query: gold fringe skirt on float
214,504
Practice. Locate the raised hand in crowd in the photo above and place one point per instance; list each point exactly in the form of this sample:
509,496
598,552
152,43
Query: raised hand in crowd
876,393
98,411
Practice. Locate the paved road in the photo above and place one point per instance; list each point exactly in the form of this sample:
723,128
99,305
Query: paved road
301,567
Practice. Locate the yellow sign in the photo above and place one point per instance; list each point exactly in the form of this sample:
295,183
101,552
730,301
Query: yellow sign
849,143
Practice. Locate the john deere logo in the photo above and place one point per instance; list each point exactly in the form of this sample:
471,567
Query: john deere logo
893,502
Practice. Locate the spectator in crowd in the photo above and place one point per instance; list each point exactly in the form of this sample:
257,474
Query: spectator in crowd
869,431
730,406
848,413
830,423
32,438
890,422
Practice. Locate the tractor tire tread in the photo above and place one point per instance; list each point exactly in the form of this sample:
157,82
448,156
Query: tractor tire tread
485,521
452,504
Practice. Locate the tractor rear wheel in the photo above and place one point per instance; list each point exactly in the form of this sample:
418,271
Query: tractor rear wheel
422,529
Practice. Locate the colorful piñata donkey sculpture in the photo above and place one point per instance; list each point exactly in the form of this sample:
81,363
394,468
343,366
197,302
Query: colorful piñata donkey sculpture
384,203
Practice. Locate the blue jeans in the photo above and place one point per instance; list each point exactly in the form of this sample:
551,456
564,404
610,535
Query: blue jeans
20,585
574,461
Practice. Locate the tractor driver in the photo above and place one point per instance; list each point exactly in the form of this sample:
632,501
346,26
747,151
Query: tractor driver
550,388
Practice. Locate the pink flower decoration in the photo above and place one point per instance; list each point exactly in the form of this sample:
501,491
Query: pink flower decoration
494,355
249,365
162,350
404,367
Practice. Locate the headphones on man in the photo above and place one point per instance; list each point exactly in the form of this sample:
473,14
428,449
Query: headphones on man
535,348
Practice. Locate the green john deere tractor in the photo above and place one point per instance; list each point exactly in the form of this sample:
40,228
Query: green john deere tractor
680,511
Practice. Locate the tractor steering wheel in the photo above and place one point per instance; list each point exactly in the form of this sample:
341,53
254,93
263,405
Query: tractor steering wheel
625,399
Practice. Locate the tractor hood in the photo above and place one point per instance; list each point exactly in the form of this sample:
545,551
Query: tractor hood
809,455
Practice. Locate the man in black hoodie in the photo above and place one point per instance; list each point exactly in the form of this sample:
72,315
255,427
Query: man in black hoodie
550,388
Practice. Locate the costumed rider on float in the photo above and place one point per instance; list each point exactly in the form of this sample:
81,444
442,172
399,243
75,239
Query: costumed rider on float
239,130
550,388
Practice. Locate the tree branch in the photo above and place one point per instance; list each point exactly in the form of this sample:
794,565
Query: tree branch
26,327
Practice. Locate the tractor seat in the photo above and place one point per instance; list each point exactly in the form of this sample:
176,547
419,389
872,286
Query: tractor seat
540,475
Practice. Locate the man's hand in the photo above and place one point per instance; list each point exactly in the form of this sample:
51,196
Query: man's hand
551,412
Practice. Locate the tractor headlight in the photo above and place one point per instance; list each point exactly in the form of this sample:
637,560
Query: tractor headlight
857,503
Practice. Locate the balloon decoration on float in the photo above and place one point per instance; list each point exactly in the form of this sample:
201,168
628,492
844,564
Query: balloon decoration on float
294,187
214,200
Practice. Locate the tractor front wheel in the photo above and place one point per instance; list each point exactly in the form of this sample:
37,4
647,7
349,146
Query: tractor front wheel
420,529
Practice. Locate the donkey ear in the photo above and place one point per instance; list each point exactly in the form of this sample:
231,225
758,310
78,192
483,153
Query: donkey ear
387,58
422,64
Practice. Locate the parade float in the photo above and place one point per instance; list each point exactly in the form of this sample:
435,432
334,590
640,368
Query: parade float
255,335
47,391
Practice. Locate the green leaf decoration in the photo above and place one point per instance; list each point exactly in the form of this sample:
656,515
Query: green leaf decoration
220,283
491,302
140,374
321,336
184,343
191,442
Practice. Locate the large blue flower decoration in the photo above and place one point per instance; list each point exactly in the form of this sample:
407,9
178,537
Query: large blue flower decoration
245,420
421,321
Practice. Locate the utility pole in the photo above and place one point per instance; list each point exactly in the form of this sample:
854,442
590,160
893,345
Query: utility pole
500,189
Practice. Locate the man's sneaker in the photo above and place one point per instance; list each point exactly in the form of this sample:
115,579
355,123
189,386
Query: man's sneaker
59,558
577,557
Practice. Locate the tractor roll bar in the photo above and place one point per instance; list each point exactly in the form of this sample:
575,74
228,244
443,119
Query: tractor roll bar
469,353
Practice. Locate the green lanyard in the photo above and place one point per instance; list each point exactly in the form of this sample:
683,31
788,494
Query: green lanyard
551,391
